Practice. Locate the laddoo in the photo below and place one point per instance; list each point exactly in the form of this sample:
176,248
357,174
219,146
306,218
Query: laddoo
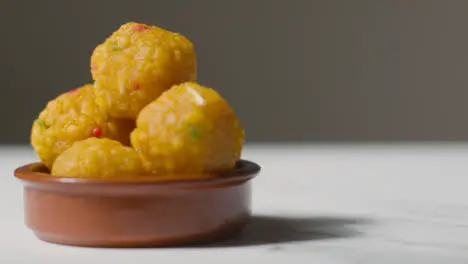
71,117
188,129
136,63
97,158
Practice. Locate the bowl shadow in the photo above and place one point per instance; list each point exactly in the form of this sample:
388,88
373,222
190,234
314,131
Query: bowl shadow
271,230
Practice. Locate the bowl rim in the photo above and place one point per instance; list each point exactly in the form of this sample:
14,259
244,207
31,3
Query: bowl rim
244,170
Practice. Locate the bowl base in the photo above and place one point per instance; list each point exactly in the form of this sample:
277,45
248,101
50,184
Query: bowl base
137,242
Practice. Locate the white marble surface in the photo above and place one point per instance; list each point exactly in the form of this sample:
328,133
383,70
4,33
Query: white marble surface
322,204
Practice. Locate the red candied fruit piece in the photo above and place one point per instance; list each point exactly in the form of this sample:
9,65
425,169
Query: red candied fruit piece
136,85
140,27
73,90
97,132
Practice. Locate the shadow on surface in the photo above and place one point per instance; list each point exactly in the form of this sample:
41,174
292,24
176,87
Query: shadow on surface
264,230
275,230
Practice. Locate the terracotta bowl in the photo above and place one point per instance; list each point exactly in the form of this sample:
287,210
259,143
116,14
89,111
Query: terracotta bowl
140,212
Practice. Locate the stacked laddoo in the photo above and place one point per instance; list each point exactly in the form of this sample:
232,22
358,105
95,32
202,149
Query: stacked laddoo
144,115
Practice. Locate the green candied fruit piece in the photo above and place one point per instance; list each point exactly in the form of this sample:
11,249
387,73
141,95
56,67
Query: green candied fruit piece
115,46
194,132
42,124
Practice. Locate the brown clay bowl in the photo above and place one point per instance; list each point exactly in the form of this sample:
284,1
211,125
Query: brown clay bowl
129,212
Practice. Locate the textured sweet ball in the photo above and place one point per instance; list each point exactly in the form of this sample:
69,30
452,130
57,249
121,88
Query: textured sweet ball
97,158
136,63
188,129
71,117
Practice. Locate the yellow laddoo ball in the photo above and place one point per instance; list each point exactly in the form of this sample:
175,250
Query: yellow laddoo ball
136,64
188,129
71,117
97,158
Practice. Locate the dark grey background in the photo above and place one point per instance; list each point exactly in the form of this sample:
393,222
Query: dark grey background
294,70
